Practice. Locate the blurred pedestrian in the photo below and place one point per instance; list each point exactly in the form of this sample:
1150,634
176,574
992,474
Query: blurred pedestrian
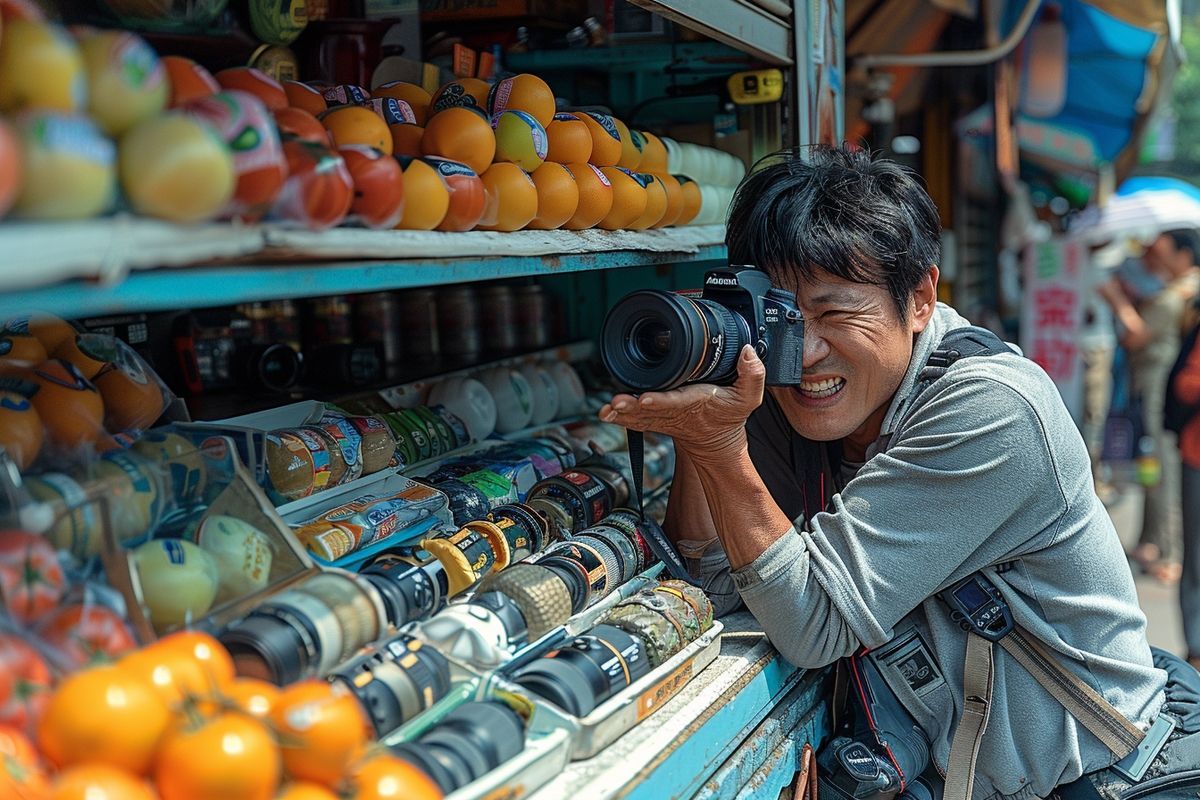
1151,331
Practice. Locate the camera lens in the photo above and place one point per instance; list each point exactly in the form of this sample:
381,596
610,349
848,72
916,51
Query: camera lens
448,777
584,674
411,592
358,612
525,530
291,636
469,742
655,341
395,680
507,611
585,498
541,594
624,545
267,367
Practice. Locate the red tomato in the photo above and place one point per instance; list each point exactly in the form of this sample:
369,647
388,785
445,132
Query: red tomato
86,634
24,683
21,774
378,186
31,579
319,190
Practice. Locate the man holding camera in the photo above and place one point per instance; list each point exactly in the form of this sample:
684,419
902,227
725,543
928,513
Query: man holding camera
902,499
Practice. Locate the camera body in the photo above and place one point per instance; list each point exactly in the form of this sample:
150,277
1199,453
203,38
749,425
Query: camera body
656,341
776,324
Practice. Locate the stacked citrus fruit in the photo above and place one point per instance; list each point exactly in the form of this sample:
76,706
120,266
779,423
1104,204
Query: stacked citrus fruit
92,118
173,721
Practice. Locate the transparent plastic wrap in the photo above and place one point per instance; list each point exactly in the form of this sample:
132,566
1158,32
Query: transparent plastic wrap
66,396
181,533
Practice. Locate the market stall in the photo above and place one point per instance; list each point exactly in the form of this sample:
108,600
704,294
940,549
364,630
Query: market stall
303,488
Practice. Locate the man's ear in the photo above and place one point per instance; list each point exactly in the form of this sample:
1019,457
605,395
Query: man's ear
924,300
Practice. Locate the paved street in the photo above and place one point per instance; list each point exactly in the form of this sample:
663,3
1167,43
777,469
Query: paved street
1160,602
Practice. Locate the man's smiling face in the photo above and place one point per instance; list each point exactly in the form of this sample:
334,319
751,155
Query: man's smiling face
857,348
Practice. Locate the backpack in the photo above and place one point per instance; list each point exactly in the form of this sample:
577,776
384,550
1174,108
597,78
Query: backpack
1176,413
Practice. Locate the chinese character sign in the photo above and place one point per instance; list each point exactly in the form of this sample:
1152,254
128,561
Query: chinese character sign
1052,315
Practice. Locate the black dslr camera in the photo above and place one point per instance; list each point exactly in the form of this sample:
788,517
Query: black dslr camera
655,340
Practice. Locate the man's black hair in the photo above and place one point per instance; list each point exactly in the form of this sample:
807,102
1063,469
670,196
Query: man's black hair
837,209
1186,239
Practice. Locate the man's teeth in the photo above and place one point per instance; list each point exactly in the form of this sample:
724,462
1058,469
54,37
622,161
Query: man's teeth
823,388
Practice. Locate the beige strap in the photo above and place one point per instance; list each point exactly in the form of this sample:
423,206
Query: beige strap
977,703
1083,702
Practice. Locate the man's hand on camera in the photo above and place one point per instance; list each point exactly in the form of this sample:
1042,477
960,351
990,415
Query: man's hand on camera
709,422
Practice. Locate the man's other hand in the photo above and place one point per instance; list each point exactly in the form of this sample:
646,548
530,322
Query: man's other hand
708,422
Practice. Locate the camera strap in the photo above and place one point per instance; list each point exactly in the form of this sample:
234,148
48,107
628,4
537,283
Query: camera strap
653,534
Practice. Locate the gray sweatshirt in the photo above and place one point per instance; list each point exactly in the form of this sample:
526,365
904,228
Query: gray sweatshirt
985,470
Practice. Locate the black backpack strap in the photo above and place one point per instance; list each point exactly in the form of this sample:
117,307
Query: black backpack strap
959,343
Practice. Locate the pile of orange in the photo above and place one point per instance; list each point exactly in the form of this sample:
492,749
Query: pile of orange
172,721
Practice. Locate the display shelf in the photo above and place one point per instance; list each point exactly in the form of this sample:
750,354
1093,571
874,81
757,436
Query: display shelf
738,23
219,285
698,729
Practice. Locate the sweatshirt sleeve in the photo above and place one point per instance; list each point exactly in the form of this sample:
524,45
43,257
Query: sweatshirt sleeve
955,492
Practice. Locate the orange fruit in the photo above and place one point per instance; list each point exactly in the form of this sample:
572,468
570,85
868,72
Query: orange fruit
99,782
378,186
10,167
68,403
304,790
524,92
89,352
188,80
344,94
357,125
460,134
68,166
674,199
256,697
300,124
50,330
250,132
467,195
417,98
177,167
387,777
632,145
133,399
595,197
302,96
512,199
406,139
21,350
606,139
322,730
421,180
40,67
319,190
654,154
21,430
656,201
568,140
629,199
126,80
558,196
257,83
105,714
470,92
691,199
520,139
228,756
